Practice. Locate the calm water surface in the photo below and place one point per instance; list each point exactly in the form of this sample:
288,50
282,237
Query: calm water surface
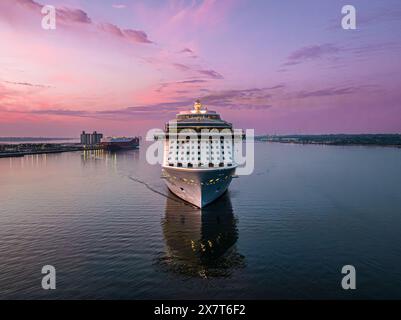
112,230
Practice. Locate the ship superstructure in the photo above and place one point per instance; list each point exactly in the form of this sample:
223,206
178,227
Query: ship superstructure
198,162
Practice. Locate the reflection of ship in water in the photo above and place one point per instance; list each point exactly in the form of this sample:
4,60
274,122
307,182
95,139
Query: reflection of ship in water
201,242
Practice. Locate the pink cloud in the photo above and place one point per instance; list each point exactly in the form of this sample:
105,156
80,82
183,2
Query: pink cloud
28,84
211,74
67,15
111,29
71,16
33,5
311,53
181,67
187,50
137,36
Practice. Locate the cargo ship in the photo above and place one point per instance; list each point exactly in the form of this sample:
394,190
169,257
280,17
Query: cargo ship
119,143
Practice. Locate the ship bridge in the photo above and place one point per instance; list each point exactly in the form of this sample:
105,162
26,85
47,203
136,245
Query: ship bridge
197,119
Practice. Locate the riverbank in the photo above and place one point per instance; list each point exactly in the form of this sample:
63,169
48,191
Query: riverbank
377,140
20,150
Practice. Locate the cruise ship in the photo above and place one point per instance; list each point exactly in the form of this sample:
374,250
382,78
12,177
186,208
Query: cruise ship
198,160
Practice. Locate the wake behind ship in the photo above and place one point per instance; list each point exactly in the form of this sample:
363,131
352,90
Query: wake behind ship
198,162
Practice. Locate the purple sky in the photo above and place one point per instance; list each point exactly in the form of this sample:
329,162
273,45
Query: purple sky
123,67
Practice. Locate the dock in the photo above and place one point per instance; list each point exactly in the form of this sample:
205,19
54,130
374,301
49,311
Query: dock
20,150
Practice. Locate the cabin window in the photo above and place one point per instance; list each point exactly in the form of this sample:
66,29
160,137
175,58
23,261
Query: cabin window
190,165
179,164
211,165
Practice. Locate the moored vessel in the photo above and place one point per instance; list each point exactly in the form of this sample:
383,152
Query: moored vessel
119,143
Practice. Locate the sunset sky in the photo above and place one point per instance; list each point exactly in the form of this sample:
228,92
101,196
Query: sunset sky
123,67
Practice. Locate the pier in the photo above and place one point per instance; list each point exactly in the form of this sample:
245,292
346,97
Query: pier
20,150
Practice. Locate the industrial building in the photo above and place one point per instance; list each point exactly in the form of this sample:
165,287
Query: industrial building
91,138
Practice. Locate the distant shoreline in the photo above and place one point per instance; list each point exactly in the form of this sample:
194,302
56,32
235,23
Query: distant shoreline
374,140
333,144
23,139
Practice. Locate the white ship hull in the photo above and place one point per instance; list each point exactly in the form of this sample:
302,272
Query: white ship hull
198,186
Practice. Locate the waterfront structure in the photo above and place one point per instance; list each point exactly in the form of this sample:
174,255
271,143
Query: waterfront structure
96,137
198,161
91,138
85,138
